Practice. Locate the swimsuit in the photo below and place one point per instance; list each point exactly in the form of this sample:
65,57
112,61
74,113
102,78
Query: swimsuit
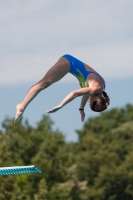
78,69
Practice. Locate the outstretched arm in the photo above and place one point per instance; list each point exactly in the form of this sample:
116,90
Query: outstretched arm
82,105
84,101
83,91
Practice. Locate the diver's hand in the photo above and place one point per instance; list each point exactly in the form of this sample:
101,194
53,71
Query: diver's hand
56,108
82,115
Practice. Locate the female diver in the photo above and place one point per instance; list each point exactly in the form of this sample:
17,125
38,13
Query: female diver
92,87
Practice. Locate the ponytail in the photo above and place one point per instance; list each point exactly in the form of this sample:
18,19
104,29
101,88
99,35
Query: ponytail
107,99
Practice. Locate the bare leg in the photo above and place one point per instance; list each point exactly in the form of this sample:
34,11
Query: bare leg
54,74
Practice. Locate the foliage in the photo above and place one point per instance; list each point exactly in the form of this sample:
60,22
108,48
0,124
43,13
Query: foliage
99,166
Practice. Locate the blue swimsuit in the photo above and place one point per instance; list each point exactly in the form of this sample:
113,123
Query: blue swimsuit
78,69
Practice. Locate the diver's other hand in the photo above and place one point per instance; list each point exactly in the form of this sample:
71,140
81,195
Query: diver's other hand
56,108
82,115
19,113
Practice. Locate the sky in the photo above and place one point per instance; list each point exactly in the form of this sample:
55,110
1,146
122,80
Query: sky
35,34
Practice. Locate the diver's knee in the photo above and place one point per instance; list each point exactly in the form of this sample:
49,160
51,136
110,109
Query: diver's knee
44,85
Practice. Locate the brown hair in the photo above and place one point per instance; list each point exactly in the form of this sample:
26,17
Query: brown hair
100,103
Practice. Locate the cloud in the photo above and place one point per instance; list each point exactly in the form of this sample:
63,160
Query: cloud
34,34
110,61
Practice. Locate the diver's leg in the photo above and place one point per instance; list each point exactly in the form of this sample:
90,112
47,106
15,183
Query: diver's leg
54,74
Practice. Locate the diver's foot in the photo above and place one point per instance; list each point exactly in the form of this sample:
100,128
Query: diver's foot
19,112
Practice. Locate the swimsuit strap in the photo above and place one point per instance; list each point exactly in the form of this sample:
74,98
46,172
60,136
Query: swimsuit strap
100,78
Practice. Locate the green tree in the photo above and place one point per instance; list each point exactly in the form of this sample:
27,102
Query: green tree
105,150
97,167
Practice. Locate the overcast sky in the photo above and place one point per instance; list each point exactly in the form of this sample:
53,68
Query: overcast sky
35,33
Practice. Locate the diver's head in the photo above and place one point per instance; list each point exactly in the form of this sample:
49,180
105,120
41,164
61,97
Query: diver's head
99,102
